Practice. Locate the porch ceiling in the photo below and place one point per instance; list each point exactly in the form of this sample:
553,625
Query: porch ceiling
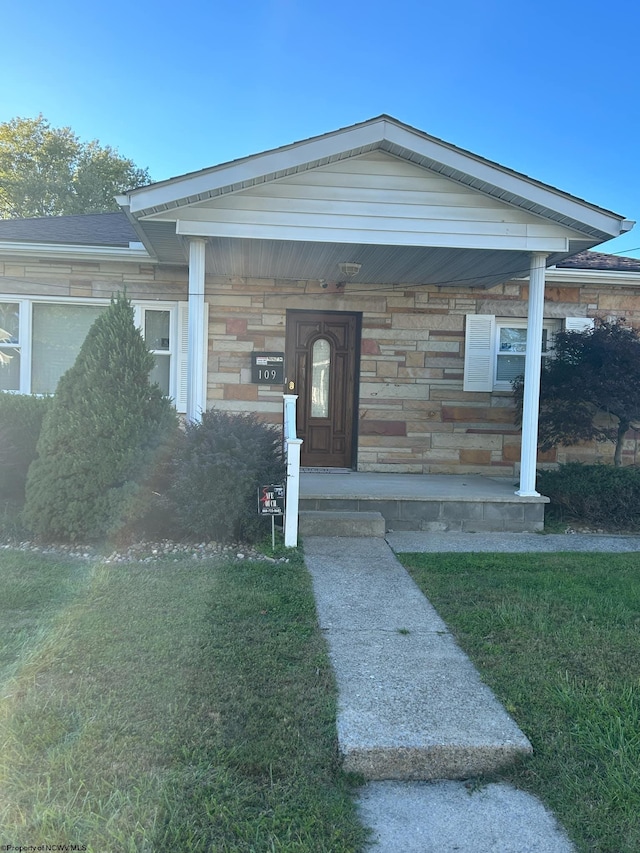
288,260
411,265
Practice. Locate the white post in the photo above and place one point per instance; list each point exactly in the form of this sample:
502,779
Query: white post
533,360
292,449
293,493
196,402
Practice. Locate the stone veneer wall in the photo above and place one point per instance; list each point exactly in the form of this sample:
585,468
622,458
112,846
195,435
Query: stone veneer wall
414,415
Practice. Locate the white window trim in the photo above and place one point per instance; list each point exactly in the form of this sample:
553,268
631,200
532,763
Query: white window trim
550,326
482,341
139,309
177,347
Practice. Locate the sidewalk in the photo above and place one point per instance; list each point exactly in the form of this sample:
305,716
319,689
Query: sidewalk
511,542
412,710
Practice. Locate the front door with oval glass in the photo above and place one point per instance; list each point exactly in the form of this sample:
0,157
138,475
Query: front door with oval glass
321,362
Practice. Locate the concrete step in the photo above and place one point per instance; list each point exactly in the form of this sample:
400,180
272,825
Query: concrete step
336,523
411,704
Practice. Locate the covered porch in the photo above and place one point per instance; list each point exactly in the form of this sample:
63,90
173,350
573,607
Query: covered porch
438,503
391,230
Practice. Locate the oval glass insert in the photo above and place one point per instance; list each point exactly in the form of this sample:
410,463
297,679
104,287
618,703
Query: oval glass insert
320,364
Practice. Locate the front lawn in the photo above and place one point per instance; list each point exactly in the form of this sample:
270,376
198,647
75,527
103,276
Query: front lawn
183,706
557,637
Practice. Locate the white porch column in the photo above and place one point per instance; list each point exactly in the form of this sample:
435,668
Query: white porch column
533,360
196,380
293,445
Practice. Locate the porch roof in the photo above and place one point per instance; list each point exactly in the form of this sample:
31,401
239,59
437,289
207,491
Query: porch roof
406,206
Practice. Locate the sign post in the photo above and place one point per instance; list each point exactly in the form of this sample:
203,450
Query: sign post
271,502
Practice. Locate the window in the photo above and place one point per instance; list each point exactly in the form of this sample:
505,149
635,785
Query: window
320,358
58,332
156,330
495,350
40,340
511,349
10,349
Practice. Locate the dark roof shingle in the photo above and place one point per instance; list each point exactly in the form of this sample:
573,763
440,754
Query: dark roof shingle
90,229
600,261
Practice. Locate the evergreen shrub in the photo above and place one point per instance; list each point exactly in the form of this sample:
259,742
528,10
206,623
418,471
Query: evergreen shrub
600,496
220,465
20,424
101,438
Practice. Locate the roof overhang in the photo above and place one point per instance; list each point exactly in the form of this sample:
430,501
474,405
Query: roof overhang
69,251
168,213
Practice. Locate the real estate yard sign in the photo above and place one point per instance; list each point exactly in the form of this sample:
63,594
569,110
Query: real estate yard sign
271,502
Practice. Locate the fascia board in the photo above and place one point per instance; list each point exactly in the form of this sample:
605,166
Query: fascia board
83,253
508,181
593,278
251,168
524,242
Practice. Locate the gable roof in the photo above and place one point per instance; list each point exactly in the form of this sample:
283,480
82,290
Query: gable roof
406,206
383,133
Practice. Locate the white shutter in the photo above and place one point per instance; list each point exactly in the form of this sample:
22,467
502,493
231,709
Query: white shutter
478,352
182,338
182,355
578,324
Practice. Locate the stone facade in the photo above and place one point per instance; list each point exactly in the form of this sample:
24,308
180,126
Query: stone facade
414,416
413,413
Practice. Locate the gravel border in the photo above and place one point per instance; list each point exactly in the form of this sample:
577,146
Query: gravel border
146,552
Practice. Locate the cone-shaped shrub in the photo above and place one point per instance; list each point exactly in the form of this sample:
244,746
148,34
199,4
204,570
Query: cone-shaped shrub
101,437
221,463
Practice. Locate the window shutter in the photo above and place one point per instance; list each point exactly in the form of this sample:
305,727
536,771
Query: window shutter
478,353
182,354
578,324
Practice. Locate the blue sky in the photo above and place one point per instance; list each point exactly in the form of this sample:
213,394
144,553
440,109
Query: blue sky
547,88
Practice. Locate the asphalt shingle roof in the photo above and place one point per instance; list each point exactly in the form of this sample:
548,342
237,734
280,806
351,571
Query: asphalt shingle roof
90,229
600,261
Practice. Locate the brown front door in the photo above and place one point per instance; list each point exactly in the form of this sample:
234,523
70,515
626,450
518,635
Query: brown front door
321,361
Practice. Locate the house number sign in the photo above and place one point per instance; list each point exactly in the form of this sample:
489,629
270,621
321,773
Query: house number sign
267,368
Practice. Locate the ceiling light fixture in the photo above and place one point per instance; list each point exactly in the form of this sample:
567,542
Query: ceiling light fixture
349,268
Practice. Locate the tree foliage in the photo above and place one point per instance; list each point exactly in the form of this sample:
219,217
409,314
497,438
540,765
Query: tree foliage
48,171
102,437
590,388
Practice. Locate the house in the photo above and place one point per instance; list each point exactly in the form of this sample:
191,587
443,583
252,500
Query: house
394,282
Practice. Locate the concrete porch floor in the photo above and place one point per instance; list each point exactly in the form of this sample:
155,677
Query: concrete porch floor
432,502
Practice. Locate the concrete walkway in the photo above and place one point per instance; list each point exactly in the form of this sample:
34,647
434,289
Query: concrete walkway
511,542
412,708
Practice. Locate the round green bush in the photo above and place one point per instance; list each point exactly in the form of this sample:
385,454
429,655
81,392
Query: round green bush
220,465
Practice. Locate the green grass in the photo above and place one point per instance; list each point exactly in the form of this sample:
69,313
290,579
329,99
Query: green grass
557,636
183,706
